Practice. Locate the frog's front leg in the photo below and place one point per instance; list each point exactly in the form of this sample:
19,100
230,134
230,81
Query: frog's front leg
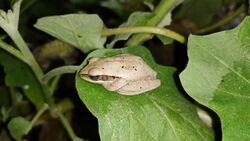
137,87
116,84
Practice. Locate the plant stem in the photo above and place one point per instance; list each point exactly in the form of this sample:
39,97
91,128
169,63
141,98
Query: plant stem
10,49
38,114
163,8
47,95
68,128
30,59
65,105
224,20
28,5
54,83
59,71
144,29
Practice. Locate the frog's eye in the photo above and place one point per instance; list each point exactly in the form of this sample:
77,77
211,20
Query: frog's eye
94,78
102,78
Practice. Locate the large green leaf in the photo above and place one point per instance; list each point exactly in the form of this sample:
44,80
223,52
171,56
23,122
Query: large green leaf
80,30
20,75
218,76
161,114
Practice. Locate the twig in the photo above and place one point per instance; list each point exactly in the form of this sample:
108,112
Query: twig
223,21
144,29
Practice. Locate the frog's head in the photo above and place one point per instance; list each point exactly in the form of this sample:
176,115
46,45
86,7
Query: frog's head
94,72
94,76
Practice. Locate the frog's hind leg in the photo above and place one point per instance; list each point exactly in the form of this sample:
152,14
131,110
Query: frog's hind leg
116,84
138,87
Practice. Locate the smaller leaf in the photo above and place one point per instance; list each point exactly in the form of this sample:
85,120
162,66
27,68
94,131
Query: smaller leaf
18,127
83,31
165,40
164,22
135,19
20,75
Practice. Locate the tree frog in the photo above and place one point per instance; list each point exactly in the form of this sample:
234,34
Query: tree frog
124,73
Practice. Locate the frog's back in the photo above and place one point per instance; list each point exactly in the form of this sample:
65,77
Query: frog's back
127,66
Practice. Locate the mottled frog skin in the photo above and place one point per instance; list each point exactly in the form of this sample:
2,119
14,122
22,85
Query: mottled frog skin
124,73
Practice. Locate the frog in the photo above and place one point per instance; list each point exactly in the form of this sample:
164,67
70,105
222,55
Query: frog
124,73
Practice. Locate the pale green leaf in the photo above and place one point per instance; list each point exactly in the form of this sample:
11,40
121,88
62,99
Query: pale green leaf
164,22
135,19
83,31
18,127
161,114
218,76
165,40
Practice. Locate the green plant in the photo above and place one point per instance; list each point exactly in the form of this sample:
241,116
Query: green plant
217,76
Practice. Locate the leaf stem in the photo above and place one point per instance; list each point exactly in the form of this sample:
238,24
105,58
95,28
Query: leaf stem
10,49
65,105
224,20
30,59
38,114
54,83
163,8
68,128
144,29
59,71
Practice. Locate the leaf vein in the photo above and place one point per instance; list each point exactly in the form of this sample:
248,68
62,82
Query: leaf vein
224,64
164,115
74,33
233,94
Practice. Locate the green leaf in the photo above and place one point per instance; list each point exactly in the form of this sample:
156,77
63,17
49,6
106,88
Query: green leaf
5,99
83,31
218,76
165,40
200,12
165,21
18,127
161,114
135,19
20,75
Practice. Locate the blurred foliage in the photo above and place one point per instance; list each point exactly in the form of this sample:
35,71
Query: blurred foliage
200,12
